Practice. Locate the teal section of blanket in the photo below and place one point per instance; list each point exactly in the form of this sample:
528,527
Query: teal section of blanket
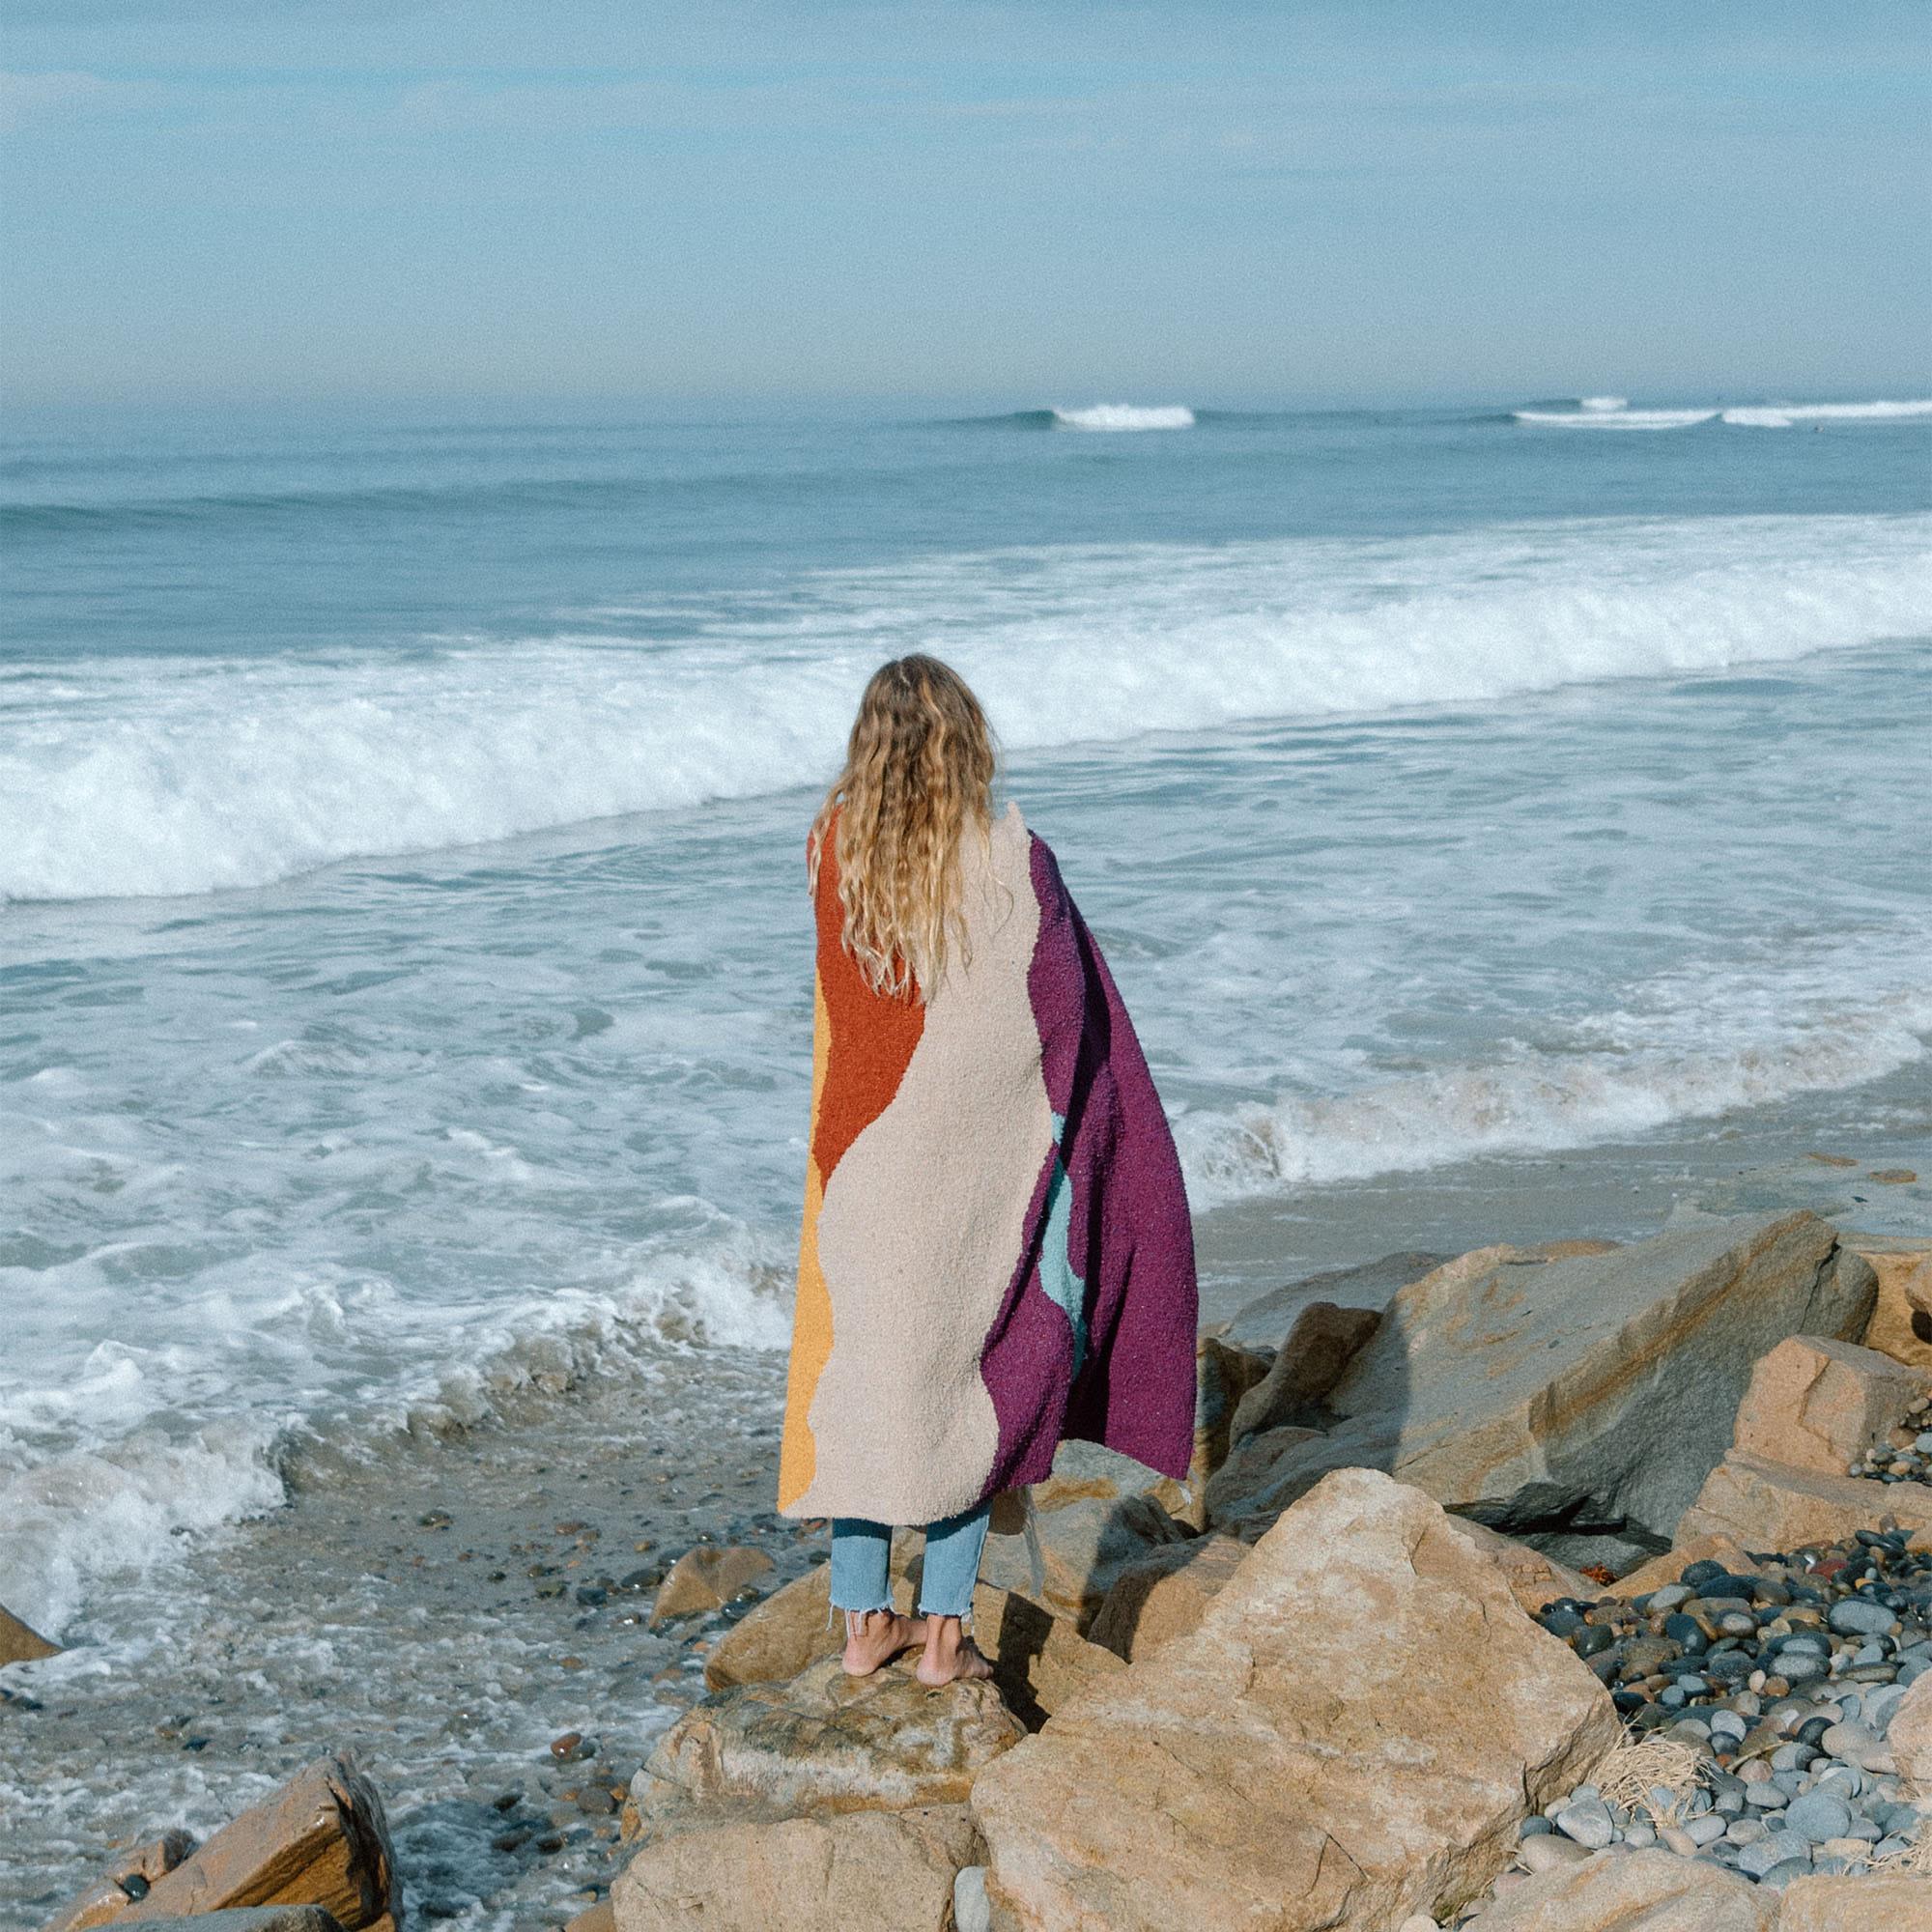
1056,1271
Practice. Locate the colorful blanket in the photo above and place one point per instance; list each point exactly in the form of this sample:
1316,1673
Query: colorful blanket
995,1251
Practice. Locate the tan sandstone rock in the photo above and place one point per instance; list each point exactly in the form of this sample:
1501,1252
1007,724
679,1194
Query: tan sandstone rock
1351,1733
1816,1405
1910,1736
867,1871
1313,1358
1265,1321
1873,1902
1083,1545
1531,1393
1773,1506
321,1839
1534,1579
708,1579
1163,1595
777,1638
253,1919
826,1742
1224,1375
20,1643
107,1899
1634,1892
1901,1320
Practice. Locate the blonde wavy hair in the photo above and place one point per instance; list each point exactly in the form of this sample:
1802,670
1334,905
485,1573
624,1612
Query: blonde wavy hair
918,769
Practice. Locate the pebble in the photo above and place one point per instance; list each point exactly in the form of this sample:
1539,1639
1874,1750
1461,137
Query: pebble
1817,1816
1546,1852
1588,1821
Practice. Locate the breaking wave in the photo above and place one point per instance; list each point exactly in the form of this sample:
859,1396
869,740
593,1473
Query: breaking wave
1123,416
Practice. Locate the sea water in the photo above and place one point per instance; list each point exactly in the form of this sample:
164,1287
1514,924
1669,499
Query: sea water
405,959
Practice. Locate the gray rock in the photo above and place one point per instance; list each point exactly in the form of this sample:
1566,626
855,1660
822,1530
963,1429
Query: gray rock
1546,1852
971,1911
1855,1616
1817,1816
1588,1821
1705,1831
252,1918
1759,1857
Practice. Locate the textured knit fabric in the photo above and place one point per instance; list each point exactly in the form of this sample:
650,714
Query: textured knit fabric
995,1251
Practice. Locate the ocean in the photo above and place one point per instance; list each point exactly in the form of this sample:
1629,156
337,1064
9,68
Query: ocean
1496,819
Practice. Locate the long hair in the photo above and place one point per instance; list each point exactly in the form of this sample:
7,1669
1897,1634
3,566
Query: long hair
918,770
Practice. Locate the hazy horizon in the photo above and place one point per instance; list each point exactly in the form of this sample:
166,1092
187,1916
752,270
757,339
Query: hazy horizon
369,205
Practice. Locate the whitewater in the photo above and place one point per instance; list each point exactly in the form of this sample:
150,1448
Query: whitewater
404,967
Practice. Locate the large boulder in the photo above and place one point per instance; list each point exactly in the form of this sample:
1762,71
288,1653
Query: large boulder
128,1876
1353,1732
1592,1392
883,1871
1901,1320
1634,1892
1910,1734
252,1918
1265,1321
707,1578
1535,1580
1817,1405
1084,1545
779,1637
1312,1359
1224,1375
321,1839
20,1643
1164,1594
1871,1902
1768,1505
826,1742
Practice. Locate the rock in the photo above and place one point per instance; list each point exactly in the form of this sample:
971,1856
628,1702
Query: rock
599,1917
1163,1595
20,1644
107,1897
1084,1547
1040,1661
1817,1405
708,1579
252,1918
1660,1571
1224,1374
1909,1735
321,1839
1871,1902
1350,1734
1773,1506
829,1742
1325,1339
777,1638
1082,1470
1901,1320
1593,1391
971,1912
1262,1321
1534,1579
1622,1891
1238,1493
886,1871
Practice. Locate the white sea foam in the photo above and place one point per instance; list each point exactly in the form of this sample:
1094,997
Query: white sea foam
1782,415
1694,1051
1602,402
1123,416
1599,414
153,776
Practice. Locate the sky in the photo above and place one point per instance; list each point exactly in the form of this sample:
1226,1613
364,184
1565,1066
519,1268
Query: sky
1042,203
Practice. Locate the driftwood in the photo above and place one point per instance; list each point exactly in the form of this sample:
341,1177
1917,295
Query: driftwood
322,1840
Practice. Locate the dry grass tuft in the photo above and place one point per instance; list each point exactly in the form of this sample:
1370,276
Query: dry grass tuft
1915,1860
1626,1776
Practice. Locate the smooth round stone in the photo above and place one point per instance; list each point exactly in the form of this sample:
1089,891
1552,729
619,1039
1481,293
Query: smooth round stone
1856,1616
1661,1603
1728,1724
1706,1830
1747,1832
1891,1848
1678,1840
1817,1816
1792,1757
1640,1837
1674,1696
1546,1852
1692,1684
1728,1667
1766,1797
1592,1639
1588,1821
1760,1857
1781,1874
1851,1742
1535,1827
1736,1623
1802,1666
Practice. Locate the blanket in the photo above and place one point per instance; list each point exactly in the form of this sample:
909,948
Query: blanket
996,1252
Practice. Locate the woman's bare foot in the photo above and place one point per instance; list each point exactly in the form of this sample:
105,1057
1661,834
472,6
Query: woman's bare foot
874,1637
950,1654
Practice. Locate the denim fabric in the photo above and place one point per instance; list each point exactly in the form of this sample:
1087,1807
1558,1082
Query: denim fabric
861,1559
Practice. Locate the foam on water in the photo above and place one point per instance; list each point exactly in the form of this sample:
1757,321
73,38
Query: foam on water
133,776
1782,415
1605,413
1125,416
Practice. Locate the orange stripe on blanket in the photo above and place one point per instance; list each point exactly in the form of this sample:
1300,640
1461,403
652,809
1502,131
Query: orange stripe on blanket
811,1311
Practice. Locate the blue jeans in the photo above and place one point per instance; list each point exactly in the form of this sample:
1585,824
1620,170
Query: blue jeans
861,1561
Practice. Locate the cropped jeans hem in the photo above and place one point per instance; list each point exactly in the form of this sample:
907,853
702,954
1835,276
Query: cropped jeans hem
862,1564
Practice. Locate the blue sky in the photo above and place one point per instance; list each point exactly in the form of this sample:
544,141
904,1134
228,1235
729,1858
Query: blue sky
1017,204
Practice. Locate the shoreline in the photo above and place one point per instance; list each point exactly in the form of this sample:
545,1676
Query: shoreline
417,1599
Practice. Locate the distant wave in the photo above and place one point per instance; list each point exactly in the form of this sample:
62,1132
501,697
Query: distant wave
1616,413
129,777
1123,416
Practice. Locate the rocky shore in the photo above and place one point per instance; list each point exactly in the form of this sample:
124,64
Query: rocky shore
1540,1589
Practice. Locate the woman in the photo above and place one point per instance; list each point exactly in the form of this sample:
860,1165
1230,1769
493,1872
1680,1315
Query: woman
996,1252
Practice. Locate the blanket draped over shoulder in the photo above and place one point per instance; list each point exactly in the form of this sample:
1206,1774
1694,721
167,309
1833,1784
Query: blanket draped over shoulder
996,1252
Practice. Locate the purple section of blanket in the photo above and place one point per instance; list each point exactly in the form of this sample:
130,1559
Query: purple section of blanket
1130,1238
